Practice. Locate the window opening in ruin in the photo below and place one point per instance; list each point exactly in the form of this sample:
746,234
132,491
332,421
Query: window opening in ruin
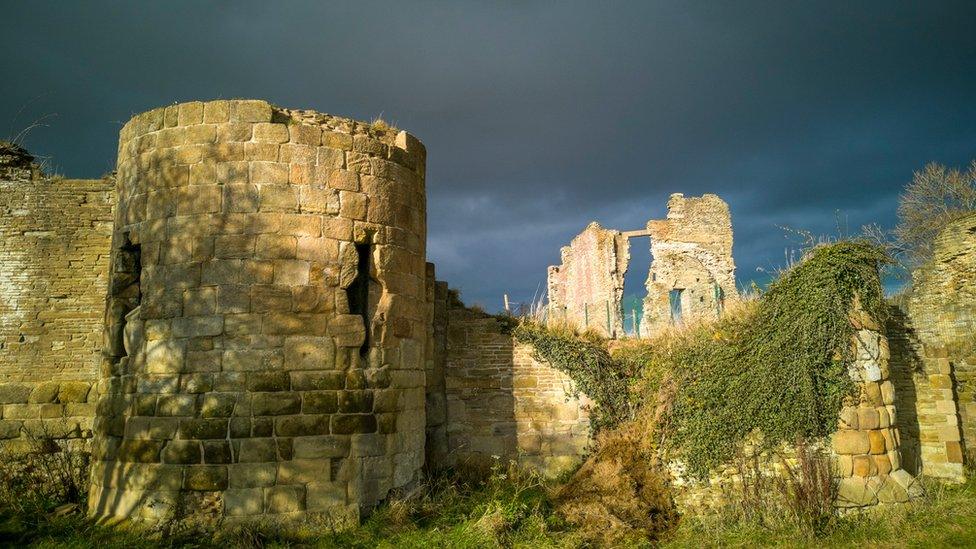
719,299
635,284
126,291
358,292
674,298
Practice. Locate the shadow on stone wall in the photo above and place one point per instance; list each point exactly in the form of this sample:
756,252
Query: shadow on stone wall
904,364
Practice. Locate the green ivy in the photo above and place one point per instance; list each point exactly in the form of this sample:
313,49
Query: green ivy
779,368
588,363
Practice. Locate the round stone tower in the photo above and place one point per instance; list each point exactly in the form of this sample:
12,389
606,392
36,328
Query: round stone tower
265,318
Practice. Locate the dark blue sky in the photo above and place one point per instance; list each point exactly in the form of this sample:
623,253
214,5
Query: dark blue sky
539,117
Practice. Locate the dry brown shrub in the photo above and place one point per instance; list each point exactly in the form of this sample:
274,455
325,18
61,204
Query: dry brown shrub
621,492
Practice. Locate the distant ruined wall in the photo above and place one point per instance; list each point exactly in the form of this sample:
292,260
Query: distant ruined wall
54,253
937,324
691,275
691,252
266,317
587,288
502,404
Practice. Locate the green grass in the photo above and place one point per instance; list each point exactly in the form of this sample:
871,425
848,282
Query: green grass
512,510
945,518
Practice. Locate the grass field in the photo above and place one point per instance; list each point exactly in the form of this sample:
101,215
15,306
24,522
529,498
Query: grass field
516,511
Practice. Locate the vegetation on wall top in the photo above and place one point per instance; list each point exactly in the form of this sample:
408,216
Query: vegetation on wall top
777,366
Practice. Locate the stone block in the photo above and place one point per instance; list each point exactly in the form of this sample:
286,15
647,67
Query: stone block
181,451
325,496
854,492
303,471
205,478
139,451
318,380
309,353
348,330
291,272
344,180
176,405
296,426
877,442
250,111
258,450
347,424
285,499
252,475
868,418
320,402
46,391
268,381
321,447
240,502
266,132
356,402
14,393
272,404
217,405
217,452
203,428
243,361
851,442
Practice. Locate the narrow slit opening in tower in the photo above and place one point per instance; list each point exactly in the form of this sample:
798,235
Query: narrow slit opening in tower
358,292
126,291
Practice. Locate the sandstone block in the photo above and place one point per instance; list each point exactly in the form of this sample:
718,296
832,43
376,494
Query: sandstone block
877,442
303,471
181,451
252,475
43,392
854,492
243,501
321,447
205,478
868,418
285,499
250,111
13,393
320,402
266,132
347,424
325,496
273,404
348,330
851,442
296,426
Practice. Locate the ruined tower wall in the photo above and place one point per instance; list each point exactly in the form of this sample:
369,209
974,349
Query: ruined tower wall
691,254
503,404
938,361
587,288
54,251
266,318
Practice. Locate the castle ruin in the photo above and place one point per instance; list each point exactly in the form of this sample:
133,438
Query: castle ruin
241,322
691,274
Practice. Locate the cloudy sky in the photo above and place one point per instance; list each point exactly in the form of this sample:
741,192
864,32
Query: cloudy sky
541,116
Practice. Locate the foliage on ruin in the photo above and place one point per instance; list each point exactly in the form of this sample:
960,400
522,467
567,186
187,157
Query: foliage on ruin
586,360
781,370
936,196
777,366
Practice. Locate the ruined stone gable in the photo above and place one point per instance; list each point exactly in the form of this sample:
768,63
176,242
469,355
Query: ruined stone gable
692,271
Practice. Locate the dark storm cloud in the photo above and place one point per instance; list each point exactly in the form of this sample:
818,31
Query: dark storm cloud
539,117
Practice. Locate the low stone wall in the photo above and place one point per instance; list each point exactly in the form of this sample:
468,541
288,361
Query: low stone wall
502,404
864,451
54,252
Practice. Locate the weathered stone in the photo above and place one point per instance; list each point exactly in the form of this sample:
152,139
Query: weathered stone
851,442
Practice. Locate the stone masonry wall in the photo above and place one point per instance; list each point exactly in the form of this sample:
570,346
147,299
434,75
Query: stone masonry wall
939,322
691,274
54,253
502,404
865,450
266,317
587,288
691,252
